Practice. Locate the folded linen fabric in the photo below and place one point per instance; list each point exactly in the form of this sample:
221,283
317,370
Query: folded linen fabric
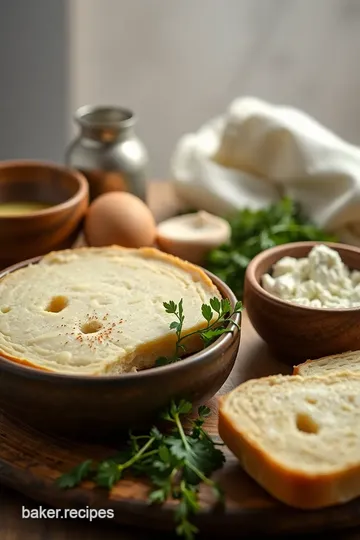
257,152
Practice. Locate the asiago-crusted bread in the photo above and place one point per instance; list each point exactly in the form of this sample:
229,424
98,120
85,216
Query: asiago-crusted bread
298,437
99,310
348,361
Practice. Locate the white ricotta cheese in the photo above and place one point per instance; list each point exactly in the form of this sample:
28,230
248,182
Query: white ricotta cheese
320,280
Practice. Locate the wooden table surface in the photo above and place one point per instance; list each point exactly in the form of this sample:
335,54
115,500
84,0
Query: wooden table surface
14,527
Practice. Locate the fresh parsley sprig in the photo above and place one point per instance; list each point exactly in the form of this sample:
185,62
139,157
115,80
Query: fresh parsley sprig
253,231
176,463
217,314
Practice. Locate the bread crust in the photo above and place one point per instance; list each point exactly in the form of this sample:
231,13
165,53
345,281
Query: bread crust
301,368
298,369
292,487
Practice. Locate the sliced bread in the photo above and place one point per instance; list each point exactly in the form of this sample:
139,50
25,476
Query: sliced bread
99,310
298,437
348,361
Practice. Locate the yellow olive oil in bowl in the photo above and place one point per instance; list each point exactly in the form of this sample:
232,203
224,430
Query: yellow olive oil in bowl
42,206
19,208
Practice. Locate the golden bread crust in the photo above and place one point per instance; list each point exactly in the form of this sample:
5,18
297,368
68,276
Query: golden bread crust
290,485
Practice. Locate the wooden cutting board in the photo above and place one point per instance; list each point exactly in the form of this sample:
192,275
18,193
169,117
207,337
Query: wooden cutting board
30,462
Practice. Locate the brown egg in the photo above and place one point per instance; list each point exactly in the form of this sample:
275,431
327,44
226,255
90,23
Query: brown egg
119,218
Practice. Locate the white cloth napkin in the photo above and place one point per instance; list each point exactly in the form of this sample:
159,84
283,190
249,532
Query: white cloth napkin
258,152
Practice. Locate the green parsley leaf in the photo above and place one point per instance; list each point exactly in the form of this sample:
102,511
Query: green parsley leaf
190,498
210,335
108,474
158,496
74,477
187,530
215,304
204,411
164,454
184,407
181,310
221,325
174,325
255,230
206,312
156,434
225,306
176,447
170,307
175,464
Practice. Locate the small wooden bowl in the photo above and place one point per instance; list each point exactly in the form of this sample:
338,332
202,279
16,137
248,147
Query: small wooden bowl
93,407
28,235
296,333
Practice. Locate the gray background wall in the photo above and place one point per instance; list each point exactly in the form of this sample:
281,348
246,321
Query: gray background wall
34,79
176,63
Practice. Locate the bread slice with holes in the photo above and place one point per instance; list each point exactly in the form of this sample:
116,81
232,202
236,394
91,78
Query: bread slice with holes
298,437
348,361
92,311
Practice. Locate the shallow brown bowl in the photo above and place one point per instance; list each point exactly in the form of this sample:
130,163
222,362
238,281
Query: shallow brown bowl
28,235
96,406
293,332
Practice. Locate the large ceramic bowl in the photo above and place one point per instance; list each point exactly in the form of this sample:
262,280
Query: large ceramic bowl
97,406
295,332
36,233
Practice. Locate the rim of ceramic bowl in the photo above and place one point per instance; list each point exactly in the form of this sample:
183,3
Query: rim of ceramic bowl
204,355
254,263
82,191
